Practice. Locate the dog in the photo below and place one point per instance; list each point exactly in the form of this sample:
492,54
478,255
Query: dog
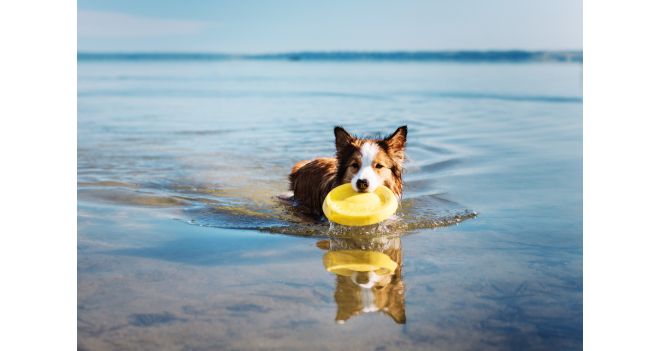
363,162
368,292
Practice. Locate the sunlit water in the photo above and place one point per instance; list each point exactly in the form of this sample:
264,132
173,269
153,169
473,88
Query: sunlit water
180,239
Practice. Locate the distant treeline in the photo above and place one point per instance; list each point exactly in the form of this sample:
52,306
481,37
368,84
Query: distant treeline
457,56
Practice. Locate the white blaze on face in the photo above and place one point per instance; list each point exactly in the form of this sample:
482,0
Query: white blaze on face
372,277
367,295
368,153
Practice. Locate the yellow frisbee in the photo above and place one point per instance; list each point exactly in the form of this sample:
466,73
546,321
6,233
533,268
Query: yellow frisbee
345,206
348,261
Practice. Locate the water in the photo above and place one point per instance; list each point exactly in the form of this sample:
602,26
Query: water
181,244
401,56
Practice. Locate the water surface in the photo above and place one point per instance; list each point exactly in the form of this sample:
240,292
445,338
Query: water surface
181,244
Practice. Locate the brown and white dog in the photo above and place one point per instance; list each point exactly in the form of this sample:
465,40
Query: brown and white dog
369,291
365,163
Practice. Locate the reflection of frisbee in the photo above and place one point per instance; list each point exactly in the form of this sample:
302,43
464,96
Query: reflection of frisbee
348,261
345,206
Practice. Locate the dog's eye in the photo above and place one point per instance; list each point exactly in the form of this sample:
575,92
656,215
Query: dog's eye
378,165
355,165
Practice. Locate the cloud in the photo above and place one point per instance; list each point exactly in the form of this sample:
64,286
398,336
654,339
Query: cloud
105,24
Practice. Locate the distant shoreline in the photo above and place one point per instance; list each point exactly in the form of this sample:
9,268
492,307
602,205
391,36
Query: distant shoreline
418,56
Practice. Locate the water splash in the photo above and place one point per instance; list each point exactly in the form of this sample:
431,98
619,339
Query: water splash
209,206
425,212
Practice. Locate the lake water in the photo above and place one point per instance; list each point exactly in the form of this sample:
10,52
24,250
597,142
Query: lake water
181,245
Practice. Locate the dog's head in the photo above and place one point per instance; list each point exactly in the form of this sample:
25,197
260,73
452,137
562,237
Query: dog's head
368,163
363,292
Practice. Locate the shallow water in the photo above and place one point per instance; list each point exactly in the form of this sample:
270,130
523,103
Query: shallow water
180,241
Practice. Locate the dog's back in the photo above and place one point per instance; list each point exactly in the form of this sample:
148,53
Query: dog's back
311,181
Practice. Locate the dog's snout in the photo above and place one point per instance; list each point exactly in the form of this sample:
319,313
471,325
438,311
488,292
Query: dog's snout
362,184
362,278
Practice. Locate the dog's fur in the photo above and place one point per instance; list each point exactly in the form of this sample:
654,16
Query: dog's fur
365,292
365,163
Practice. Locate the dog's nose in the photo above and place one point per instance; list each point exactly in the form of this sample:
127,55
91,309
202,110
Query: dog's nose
362,184
362,278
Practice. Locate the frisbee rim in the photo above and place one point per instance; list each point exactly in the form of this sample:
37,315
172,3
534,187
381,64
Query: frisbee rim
333,208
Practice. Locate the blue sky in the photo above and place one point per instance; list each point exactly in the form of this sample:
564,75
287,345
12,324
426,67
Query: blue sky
254,26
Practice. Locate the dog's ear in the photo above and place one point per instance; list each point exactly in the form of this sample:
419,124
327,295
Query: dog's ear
342,138
395,143
397,139
396,306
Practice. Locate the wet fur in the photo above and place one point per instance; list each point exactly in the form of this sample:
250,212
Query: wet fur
310,181
388,292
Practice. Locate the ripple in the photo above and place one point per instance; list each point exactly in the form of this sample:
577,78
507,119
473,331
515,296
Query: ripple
124,197
257,208
440,165
504,97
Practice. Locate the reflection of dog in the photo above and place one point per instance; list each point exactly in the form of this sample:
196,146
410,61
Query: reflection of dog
365,163
362,291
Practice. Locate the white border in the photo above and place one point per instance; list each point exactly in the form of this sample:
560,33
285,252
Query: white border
621,181
38,175
622,175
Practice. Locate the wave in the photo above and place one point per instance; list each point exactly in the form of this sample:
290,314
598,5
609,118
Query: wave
452,56
505,97
206,206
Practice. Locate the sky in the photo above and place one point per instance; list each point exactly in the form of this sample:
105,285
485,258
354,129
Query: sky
271,26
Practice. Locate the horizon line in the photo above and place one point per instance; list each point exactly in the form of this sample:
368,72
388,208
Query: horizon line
318,51
346,55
